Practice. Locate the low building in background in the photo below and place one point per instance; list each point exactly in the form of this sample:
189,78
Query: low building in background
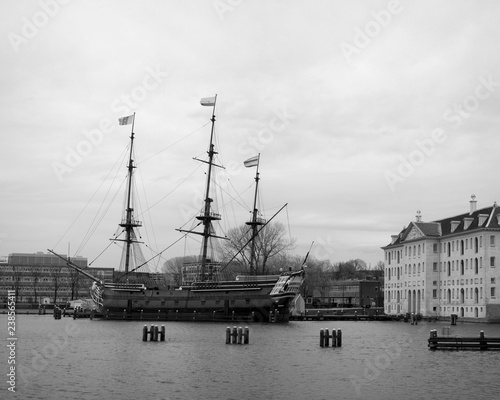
39,278
349,293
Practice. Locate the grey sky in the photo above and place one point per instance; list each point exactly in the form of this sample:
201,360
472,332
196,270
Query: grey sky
364,112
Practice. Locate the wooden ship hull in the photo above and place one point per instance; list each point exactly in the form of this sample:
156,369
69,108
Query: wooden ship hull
259,299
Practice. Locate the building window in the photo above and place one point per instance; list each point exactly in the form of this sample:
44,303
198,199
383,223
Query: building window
435,266
435,248
476,245
492,261
493,281
493,294
434,293
492,241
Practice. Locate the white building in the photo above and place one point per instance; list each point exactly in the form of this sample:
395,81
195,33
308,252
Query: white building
445,267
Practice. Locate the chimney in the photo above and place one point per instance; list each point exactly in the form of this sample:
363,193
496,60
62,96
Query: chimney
473,204
419,216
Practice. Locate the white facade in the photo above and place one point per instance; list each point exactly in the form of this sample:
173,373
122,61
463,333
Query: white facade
450,266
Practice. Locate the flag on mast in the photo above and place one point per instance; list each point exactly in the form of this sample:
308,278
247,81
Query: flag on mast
208,101
126,120
252,161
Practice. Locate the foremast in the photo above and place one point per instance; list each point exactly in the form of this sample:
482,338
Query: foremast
128,221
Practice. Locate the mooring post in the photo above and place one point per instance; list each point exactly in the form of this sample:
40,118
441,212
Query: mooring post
152,333
433,343
339,338
246,335
162,333
321,337
482,343
327,337
145,334
334,338
240,335
228,335
234,335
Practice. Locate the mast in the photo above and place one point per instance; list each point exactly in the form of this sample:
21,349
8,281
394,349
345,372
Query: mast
256,221
207,215
128,222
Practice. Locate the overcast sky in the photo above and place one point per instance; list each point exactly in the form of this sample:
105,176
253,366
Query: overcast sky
363,112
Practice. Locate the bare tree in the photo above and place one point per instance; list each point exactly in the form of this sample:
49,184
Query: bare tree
172,269
270,242
16,280
74,282
55,273
36,271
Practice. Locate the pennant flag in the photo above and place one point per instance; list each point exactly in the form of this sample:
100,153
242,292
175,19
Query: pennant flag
252,161
126,120
208,101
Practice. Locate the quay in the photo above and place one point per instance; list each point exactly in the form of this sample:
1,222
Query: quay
335,314
480,342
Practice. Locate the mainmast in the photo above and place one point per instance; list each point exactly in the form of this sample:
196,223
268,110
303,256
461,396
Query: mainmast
128,222
256,220
207,215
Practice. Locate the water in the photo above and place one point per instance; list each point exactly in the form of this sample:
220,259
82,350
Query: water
83,359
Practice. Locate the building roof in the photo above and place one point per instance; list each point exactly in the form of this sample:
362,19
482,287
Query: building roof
484,218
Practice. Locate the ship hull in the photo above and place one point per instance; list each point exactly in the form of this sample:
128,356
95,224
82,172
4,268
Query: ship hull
245,303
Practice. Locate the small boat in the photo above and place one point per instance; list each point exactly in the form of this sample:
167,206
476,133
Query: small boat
203,295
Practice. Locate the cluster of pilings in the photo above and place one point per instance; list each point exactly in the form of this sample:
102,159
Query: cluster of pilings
57,313
155,334
237,335
324,337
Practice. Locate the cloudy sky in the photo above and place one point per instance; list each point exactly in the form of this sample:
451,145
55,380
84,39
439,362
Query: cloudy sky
363,112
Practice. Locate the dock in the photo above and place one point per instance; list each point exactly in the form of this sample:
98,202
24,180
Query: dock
480,342
334,314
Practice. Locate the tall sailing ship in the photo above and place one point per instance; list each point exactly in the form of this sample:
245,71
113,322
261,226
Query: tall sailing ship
203,295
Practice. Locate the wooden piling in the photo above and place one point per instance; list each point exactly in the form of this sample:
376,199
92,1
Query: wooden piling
228,335
240,335
145,334
246,335
321,337
234,335
339,338
334,338
162,333
327,337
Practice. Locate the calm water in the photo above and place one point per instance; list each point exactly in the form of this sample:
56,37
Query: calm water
83,359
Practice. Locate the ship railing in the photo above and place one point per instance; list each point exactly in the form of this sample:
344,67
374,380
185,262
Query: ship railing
137,286
133,222
258,221
210,215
